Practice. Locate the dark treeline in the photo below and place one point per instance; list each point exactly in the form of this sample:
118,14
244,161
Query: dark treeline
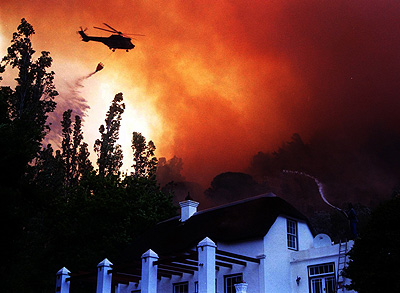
57,209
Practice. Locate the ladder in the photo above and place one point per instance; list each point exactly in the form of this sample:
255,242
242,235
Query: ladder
342,263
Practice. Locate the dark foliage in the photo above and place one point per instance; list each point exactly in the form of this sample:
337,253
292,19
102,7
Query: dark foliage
336,224
109,153
144,160
375,257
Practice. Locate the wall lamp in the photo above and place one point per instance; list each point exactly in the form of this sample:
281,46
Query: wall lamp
298,280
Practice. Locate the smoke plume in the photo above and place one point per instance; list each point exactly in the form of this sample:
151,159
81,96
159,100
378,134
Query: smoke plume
70,98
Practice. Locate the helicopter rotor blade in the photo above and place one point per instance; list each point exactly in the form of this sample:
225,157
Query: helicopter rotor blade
118,32
103,29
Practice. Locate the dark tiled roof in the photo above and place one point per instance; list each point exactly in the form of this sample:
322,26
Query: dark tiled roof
246,219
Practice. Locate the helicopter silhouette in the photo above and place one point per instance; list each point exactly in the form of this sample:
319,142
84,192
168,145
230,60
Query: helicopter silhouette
116,41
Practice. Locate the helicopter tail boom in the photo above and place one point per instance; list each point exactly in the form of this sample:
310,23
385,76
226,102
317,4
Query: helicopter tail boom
84,36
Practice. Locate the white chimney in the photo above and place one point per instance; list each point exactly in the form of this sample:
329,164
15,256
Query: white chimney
188,208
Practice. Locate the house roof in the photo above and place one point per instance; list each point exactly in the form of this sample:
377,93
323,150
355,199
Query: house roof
246,219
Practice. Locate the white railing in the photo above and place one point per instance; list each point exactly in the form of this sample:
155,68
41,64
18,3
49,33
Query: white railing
148,283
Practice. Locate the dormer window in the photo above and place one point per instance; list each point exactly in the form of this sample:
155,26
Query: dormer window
292,236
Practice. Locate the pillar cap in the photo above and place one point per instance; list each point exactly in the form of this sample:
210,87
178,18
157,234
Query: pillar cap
104,263
189,203
63,271
150,253
206,242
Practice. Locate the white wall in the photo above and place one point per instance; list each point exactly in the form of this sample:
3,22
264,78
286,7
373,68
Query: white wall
277,254
251,271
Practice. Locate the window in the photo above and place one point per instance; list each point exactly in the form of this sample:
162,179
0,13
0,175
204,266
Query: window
230,281
181,287
291,234
322,278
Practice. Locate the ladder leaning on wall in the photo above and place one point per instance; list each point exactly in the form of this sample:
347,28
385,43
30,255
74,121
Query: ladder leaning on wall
342,263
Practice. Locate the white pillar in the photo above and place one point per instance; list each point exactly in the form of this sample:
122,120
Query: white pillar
104,277
149,272
62,285
206,250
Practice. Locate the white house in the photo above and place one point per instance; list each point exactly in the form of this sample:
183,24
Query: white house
262,242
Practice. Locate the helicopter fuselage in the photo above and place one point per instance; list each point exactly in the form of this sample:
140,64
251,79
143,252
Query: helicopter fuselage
114,41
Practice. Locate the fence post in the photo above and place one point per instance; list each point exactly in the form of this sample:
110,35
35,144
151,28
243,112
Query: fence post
62,284
149,272
206,251
104,276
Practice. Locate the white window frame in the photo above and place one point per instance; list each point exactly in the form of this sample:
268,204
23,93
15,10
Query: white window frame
292,234
180,286
321,277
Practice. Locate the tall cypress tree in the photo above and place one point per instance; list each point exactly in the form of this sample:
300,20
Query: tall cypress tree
109,153
24,109
23,114
74,151
144,160
66,146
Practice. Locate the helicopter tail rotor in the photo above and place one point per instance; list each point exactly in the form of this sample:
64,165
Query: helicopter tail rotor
84,36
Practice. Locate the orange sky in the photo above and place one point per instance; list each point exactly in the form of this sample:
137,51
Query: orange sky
214,82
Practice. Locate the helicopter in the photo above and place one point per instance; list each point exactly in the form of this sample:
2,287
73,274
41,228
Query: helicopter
116,41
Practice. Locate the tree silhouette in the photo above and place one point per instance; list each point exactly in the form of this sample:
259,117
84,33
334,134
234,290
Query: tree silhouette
74,150
144,160
24,109
23,114
108,152
375,256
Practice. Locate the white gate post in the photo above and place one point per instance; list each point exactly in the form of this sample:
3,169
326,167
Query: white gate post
104,276
149,272
62,285
206,251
